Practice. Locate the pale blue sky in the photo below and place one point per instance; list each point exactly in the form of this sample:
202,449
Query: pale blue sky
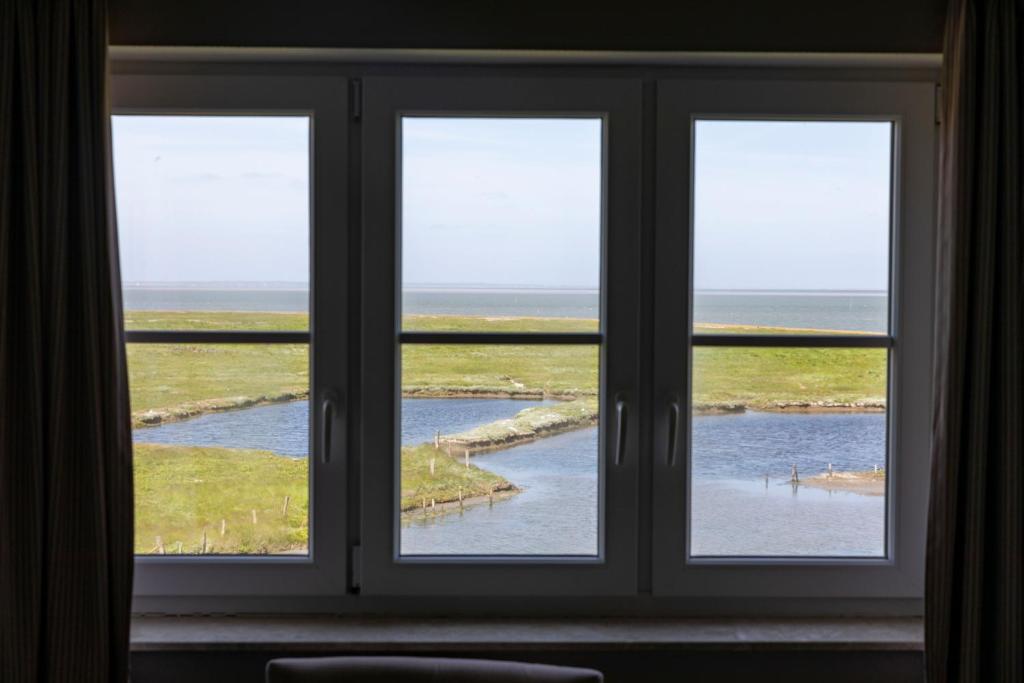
778,205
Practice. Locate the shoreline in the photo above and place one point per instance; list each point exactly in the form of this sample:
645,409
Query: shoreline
529,424
155,417
443,507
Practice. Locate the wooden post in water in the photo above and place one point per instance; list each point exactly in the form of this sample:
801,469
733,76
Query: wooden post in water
223,526
424,507
830,470
490,496
460,497
284,508
794,476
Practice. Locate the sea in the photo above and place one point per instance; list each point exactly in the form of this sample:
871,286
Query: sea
854,311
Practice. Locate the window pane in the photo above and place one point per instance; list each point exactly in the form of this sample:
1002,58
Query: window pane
791,226
213,217
511,431
501,218
768,424
221,437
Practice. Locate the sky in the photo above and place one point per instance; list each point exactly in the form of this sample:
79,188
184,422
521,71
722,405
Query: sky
505,201
212,198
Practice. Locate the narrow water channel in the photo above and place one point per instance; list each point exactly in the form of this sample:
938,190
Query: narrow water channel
734,511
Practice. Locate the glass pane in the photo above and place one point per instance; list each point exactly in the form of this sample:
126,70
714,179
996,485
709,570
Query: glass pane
499,451
221,437
791,226
501,223
213,221
788,452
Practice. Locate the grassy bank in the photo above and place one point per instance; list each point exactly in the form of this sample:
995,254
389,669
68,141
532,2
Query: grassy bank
526,425
169,378
177,377
450,476
182,491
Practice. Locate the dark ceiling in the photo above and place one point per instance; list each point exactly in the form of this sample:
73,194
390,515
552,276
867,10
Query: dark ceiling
714,25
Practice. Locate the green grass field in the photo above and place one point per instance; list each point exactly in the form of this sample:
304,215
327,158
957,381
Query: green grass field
182,490
166,375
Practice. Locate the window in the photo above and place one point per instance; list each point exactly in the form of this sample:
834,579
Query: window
791,378
214,234
216,181
504,373
501,230
791,225
580,339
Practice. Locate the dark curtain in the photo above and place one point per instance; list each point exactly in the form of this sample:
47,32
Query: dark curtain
974,583
65,442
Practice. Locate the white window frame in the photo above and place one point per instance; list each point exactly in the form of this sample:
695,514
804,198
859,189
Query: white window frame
612,571
351,549
900,574
168,582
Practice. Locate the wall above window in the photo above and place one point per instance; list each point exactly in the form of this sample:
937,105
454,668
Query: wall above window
741,25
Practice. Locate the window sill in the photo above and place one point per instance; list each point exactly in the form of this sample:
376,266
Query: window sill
343,635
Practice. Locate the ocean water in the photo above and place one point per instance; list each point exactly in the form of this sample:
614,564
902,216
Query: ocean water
850,311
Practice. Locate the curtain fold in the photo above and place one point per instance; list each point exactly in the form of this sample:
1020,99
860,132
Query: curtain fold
973,621
65,444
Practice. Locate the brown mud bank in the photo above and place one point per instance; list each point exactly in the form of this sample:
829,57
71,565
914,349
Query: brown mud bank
867,483
730,408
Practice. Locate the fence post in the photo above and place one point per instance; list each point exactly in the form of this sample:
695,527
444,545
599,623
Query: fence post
254,515
223,526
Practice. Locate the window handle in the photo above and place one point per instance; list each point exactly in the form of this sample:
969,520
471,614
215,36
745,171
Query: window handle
673,430
621,415
329,410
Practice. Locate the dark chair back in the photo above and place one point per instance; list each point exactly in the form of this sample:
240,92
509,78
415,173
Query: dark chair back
420,670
